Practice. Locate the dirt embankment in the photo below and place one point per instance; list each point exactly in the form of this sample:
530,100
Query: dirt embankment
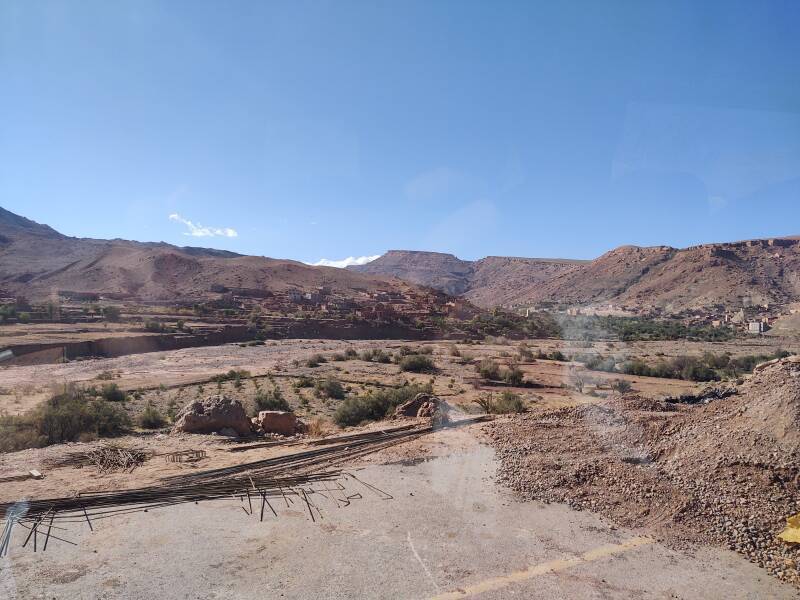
725,473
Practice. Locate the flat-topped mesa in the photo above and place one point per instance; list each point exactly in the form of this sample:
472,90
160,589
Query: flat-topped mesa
640,278
489,281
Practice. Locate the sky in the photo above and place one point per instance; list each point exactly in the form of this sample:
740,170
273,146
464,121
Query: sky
326,131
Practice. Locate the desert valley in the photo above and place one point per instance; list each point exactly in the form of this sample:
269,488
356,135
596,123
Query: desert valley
653,393
399,300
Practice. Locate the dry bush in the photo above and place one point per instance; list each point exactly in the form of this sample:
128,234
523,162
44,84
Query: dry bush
68,416
319,427
417,363
329,387
507,403
151,418
488,369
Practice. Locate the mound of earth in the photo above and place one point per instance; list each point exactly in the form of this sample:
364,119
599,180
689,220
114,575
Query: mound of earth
726,473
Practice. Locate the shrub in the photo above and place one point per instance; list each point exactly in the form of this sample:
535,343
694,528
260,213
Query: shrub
304,381
417,363
316,360
508,402
112,393
172,409
111,313
19,432
525,353
376,355
375,405
318,427
68,415
105,376
151,418
329,388
231,375
488,369
513,376
154,326
272,400
337,357
621,385
600,363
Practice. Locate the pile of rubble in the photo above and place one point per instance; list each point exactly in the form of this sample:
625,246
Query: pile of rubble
726,472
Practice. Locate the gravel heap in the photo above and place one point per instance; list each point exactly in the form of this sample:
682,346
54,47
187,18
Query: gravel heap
725,473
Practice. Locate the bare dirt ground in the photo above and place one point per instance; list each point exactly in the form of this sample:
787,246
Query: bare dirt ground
46,333
164,377
643,471
725,473
447,532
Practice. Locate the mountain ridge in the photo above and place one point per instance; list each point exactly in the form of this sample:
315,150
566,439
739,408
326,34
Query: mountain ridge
638,278
38,262
478,281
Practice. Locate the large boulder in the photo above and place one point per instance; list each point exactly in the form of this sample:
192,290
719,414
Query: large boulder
423,405
213,414
278,421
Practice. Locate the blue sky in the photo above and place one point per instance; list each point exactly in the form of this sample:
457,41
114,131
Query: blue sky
335,129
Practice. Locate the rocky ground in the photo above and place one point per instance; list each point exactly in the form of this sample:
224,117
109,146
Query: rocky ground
726,473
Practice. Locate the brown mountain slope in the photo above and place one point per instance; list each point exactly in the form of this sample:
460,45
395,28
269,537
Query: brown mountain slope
660,277
38,262
507,281
731,274
491,281
444,272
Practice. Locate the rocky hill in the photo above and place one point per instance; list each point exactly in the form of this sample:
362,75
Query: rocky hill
731,274
38,262
659,277
490,281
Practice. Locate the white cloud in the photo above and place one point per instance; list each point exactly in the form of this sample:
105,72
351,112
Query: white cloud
197,230
345,262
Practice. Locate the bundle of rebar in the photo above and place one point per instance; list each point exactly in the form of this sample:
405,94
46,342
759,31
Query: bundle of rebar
107,458
117,458
184,456
276,477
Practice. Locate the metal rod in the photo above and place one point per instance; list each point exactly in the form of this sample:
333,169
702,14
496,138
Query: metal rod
49,527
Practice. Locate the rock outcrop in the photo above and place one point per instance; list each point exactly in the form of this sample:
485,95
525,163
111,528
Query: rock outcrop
278,421
213,414
423,405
